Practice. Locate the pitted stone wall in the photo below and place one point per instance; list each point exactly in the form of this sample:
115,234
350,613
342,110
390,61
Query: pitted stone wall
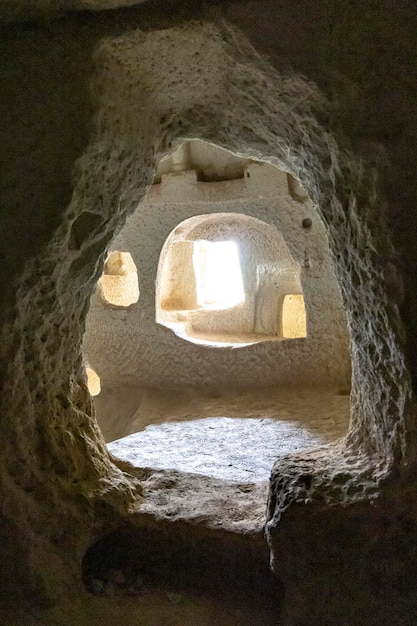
60,490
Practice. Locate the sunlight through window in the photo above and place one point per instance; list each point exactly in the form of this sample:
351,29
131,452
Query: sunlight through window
218,276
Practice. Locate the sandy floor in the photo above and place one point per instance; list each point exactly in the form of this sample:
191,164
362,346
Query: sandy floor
235,436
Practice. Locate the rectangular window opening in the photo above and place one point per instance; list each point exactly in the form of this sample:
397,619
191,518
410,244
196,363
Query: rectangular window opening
218,275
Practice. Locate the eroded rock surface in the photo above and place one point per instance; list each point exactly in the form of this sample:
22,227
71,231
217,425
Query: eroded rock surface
341,518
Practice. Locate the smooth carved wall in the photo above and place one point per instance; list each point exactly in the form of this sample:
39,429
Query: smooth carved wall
128,347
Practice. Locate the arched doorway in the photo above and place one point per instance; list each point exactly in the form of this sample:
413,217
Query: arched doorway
259,115
177,347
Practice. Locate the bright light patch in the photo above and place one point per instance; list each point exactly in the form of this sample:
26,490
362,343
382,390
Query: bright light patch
218,276
93,381
119,284
294,321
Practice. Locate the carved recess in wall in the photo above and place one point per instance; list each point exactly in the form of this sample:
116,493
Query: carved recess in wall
267,271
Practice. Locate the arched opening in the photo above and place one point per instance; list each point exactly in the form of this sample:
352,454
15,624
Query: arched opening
259,115
223,279
184,405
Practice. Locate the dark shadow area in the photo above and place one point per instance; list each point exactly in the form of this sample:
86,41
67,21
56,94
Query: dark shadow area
130,558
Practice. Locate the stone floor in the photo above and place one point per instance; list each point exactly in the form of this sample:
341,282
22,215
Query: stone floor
209,457
234,437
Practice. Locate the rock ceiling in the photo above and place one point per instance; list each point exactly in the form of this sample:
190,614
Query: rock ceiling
11,10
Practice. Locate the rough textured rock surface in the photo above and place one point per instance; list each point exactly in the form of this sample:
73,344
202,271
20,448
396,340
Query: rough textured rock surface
340,519
22,10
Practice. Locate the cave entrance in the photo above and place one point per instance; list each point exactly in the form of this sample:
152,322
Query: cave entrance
220,381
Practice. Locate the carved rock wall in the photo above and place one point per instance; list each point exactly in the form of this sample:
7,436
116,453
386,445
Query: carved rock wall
152,87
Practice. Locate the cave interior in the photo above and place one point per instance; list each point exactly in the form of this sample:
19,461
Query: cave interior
208,366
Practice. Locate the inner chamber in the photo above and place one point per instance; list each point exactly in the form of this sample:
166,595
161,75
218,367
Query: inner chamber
216,339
